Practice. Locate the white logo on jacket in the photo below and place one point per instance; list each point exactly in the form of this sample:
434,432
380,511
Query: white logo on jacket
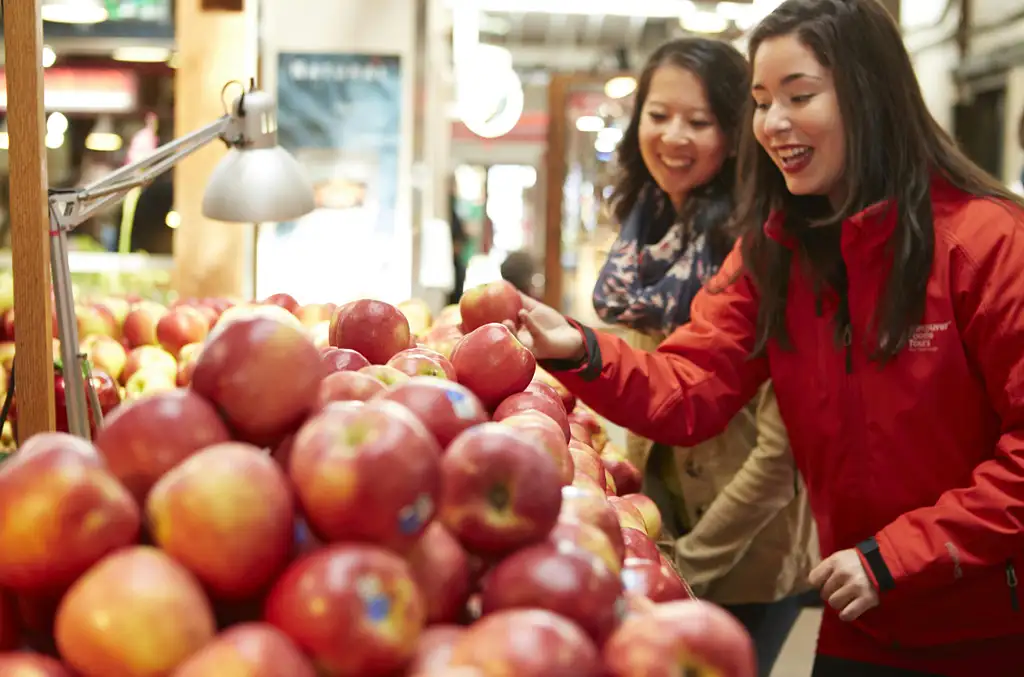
923,337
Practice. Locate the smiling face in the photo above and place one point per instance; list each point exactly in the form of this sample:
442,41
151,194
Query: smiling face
797,118
680,140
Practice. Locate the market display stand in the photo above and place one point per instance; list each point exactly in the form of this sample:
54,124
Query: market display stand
23,44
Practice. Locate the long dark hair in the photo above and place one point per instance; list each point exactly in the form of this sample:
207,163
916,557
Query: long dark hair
726,78
893,149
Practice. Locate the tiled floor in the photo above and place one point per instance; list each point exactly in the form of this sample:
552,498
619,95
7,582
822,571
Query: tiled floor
798,652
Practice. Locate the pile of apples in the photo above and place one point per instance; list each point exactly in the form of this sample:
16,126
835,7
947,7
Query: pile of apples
370,508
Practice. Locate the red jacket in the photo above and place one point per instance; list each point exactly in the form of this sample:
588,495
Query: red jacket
925,454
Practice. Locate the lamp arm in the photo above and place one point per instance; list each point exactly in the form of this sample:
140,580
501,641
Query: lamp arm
73,207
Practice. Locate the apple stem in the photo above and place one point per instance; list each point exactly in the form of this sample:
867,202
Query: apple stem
499,496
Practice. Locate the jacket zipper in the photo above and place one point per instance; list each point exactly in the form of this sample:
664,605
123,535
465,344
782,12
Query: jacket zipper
848,347
1011,582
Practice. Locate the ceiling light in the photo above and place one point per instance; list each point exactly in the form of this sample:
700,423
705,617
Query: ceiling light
73,11
589,123
699,21
57,123
620,87
141,54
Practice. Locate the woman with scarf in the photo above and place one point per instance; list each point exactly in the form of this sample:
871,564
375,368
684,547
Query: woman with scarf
734,507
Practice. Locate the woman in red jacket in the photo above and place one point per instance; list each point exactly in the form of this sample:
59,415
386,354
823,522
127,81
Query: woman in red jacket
880,285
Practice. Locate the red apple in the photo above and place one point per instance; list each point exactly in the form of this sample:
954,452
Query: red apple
9,630
446,364
594,509
434,651
627,513
342,359
95,320
149,381
560,578
25,664
442,339
417,311
417,364
106,354
368,474
649,578
547,390
639,545
262,375
628,479
586,462
449,316
375,329
589,420
251,649
226,514
648,509
546,433
7,349
140,323
570,532
313,314
345,386
681,638
389,376
151,357
493,302
353,609
187,358
588,484
609,484
286,301
492,363
137,589
441,568
444,407
500,490
62,512
580,433
180,327
143,439
568,399
535,403
527,643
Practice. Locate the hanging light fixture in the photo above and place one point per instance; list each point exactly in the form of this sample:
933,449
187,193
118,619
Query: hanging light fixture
73,11
103,138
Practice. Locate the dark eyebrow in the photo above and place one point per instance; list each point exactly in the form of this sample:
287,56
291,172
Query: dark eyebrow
788,79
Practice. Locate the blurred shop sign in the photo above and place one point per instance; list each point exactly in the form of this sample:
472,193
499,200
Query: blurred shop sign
125,19
85,90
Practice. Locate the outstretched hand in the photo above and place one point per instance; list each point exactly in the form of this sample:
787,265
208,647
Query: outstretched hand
547,333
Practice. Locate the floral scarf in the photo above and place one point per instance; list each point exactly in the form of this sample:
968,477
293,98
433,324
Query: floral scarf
649,286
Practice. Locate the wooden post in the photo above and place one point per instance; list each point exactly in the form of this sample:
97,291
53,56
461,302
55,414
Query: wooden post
29,213
214,47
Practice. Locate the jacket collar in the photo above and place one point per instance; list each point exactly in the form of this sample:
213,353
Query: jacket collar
865,230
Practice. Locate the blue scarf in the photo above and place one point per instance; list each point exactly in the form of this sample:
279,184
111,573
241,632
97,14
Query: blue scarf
649,286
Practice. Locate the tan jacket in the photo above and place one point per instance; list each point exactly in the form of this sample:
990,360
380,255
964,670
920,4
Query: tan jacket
752,538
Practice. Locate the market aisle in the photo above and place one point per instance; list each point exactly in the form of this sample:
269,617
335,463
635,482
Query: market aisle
798,652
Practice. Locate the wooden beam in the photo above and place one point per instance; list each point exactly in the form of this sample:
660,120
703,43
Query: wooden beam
558,96
29,214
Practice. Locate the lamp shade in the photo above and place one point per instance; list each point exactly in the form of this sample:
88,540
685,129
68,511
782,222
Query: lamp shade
73,11
256,186
257,181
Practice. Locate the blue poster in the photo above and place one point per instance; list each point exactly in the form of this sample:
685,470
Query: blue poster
340,115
